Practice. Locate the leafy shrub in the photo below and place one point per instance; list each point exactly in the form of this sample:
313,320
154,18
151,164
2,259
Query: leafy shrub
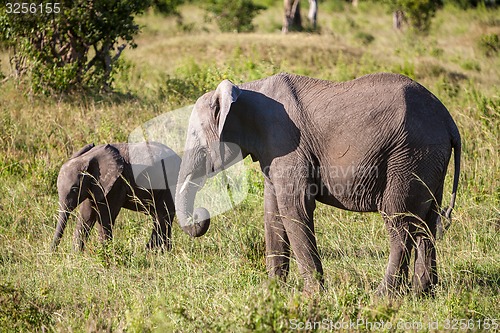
234,15
471,65
418,13
73,45
464,4
489,44
167,7
190,82
364,37
194,78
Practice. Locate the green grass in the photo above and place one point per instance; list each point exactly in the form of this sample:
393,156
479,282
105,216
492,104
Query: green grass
219,282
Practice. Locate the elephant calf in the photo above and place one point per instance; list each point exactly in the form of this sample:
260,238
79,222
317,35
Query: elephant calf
103,179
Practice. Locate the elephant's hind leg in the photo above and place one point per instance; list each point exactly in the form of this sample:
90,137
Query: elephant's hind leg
406,208
399,227
425,276
431,194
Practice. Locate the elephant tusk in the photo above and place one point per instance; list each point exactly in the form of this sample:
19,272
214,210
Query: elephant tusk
186,182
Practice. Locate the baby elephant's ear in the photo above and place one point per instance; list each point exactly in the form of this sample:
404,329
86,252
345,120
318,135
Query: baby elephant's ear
226,94
105,166
83,150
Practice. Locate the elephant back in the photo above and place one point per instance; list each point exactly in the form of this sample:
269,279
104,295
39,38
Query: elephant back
153,165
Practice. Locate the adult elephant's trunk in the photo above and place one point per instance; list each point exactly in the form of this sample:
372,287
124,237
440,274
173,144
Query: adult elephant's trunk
194,222
61,225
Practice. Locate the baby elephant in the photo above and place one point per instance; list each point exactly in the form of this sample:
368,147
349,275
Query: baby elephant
103,179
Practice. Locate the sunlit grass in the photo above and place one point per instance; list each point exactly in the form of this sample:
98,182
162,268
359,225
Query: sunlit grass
218,282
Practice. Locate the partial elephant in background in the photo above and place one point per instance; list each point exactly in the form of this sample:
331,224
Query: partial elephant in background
378,143
293,19
103,179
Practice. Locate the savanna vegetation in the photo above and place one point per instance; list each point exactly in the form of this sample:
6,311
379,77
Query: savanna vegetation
219,282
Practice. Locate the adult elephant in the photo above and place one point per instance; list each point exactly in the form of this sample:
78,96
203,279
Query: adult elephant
293,19
378,143
106,178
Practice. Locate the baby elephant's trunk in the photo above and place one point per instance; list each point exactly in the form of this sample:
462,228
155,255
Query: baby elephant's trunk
61,225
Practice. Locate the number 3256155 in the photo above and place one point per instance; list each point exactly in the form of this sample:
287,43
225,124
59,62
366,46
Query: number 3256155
32,8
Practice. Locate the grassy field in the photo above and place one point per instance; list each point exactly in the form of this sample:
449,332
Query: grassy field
219,282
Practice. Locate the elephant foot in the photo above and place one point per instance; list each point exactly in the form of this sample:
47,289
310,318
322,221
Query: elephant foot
159,246
158,241
314,285
425,291
391,290
313,291
425,276
424,286
78,248
383,291
278,267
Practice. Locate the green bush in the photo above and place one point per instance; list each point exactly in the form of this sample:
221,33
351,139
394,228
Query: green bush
489,44
167,7
71,44
234,15
191,81
418,13
464,4
364,37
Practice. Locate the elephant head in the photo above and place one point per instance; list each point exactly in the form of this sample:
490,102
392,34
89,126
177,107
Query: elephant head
206,153
89,173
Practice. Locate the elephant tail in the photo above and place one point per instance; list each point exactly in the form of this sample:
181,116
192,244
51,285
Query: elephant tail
457,150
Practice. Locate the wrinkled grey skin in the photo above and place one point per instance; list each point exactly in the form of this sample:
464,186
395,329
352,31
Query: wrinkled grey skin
101,180
378,143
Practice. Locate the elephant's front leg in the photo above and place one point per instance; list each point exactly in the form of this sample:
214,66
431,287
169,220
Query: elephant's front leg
161,233
277,244
296,207
163,211
107,213
169,218
86,221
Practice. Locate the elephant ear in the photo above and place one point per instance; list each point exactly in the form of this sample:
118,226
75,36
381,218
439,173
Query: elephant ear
105,165
83,150
226,94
